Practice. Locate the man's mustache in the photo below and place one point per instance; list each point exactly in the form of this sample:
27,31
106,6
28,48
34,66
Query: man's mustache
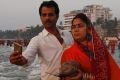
48,21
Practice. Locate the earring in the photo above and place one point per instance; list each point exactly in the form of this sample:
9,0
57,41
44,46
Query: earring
88,37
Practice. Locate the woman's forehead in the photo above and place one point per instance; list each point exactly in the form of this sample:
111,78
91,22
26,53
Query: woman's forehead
77,20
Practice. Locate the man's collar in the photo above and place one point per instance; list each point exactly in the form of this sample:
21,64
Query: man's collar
45,32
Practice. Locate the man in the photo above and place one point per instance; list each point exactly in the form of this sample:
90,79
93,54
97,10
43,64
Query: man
48,45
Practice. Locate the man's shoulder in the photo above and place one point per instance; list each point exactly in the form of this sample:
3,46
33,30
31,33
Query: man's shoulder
37,36
34,38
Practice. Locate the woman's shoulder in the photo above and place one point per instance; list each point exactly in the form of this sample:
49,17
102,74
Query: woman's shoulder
70,49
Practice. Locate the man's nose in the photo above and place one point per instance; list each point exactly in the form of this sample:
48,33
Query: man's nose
47,16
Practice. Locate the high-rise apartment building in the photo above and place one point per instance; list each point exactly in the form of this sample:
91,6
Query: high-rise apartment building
94,12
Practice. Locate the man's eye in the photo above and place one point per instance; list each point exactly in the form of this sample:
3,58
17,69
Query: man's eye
51,14
43,15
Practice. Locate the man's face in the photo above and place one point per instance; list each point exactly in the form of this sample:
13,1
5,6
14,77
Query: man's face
48,17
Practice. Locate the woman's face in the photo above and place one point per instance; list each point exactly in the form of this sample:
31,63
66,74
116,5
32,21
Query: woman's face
78,29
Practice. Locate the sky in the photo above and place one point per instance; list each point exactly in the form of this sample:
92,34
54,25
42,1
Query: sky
16,14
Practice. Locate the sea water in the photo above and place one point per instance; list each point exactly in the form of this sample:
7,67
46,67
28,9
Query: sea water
12,72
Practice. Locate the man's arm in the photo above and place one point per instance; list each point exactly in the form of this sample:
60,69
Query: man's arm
27,57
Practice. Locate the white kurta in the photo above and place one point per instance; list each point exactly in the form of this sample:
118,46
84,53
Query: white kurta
49,51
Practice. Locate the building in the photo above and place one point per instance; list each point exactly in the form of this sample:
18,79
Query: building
118,28
94,12
68,18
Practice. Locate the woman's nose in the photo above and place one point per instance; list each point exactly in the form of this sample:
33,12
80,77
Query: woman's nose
76,29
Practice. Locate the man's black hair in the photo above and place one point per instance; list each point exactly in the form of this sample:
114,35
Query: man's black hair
50,3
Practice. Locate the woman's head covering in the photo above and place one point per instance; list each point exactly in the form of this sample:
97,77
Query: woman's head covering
84,18
100,63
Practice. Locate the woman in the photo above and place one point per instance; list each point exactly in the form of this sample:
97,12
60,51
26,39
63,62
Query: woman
89,51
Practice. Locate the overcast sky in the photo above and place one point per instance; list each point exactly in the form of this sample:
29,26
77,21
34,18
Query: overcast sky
16,14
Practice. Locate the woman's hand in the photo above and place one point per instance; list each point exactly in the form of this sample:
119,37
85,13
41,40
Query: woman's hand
77,77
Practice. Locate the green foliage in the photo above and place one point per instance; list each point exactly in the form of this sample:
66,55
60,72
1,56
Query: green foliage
15,34
109,25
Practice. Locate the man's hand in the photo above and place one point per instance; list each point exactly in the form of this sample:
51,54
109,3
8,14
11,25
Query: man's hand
17,58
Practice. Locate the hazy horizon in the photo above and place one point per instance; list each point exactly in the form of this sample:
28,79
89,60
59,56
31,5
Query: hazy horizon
16,14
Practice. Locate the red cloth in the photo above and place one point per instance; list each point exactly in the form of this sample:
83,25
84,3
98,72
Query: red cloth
103,66
77,54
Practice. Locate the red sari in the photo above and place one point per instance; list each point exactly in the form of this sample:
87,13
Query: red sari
102,65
